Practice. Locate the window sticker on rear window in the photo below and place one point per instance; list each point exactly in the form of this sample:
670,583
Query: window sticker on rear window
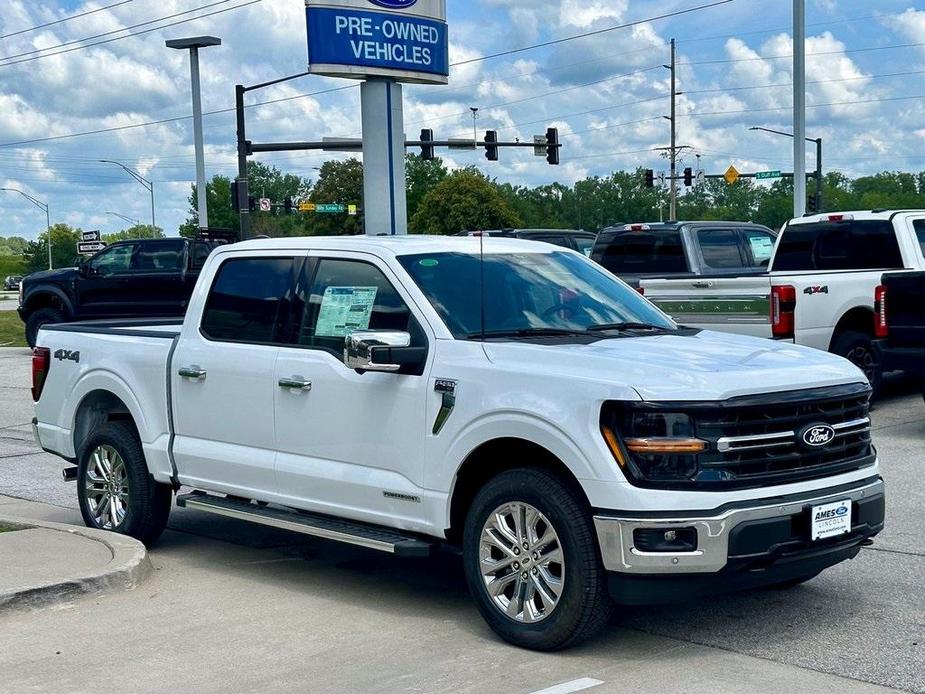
762,248
344,309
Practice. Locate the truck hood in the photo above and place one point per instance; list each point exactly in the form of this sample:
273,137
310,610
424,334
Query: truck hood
689,367
61,275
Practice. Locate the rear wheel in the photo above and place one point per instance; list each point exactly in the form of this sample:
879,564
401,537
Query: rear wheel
114,489
532,562
857,347
44,316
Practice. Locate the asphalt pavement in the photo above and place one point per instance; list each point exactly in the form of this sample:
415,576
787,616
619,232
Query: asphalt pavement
233,606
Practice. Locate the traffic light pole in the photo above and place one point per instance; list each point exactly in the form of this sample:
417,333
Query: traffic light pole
673,154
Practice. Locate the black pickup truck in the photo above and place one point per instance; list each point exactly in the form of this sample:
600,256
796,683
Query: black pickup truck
130,279
899,323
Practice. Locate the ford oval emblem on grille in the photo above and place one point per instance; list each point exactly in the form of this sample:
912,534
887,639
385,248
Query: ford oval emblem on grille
817,435
394,4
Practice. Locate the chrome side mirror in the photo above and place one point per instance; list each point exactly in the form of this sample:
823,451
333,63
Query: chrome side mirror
364,348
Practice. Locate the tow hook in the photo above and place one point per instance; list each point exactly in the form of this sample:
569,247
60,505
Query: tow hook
69,474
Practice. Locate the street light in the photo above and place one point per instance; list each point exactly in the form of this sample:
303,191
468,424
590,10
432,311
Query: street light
475,118
149,185
42,206
136,222
193,45
818,142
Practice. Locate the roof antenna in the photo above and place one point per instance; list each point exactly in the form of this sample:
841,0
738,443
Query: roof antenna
482,281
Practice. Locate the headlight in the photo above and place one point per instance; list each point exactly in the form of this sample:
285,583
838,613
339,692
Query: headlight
652,446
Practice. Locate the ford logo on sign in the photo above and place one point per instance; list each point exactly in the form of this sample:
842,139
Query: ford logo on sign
394,4
817,435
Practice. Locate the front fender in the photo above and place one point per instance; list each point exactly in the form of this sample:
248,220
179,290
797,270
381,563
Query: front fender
32,294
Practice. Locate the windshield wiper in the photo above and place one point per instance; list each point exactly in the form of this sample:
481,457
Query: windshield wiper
628,326
525,332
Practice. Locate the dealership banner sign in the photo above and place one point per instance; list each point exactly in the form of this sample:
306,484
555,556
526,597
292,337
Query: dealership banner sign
406,40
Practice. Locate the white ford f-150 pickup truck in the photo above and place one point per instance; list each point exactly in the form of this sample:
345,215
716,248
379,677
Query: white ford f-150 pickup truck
507,397
820,289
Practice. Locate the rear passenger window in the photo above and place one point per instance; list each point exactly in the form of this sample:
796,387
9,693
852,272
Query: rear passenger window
348,295
919,225
200,253
848,245
249,301
720,249
162,256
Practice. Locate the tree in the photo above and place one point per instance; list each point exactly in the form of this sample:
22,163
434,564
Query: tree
64,239
421,175
464,200
339,182
138,231
218,198
15,244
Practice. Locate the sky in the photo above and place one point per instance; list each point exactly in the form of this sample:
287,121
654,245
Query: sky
606,93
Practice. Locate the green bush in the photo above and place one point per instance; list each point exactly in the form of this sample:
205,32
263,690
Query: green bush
11,265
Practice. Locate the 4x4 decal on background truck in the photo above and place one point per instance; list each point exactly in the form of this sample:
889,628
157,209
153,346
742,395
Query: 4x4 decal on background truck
809,291
67,355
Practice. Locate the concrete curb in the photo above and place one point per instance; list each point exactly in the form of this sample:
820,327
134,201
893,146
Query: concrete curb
129,566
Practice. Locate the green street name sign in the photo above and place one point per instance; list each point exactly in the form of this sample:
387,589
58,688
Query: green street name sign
767,174
330,209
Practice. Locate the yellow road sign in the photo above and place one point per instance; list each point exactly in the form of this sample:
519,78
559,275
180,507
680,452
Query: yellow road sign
731,175
352,210
306,207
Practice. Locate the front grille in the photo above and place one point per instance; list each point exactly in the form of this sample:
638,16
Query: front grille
757,440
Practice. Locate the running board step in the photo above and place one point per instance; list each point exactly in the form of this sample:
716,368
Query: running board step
340,530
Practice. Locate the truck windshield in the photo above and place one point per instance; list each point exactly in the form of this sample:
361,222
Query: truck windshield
529,294
847,245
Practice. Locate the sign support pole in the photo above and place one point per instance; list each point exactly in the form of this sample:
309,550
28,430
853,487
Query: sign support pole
384,196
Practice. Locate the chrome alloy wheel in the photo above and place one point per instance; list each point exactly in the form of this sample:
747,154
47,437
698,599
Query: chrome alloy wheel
521,561
863,358
107,487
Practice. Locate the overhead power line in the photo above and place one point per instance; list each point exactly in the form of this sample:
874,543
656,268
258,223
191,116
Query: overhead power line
137,33
726,61
65,19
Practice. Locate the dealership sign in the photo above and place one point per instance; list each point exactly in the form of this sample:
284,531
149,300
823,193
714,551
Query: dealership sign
406,40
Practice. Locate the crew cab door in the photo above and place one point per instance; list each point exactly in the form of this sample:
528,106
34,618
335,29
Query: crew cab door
223,378
350,444
155,283
102,282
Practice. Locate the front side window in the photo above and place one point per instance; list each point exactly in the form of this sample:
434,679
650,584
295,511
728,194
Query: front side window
249,301
527,293
720,249
113,260
349,295
584,244
759,246
160,256
200,254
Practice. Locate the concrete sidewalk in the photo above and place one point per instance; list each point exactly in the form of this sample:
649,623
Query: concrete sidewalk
47,562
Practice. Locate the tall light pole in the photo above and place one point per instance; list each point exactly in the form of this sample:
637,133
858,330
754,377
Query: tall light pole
42,206
475,127
818,142
149,185
193,45
799,107
136,222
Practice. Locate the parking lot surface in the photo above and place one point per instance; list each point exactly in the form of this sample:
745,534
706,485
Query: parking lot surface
237,607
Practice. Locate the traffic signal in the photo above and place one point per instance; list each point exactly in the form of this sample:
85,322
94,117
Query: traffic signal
812,205
287,204
252,203
650,178
491,149
688,177
552,146
427,151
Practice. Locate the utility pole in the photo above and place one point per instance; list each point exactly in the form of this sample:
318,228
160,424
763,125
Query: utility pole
799,108
673,151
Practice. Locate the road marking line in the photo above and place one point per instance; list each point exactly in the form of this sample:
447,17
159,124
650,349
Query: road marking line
569,687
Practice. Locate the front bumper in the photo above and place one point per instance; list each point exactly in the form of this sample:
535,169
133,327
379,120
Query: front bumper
738,546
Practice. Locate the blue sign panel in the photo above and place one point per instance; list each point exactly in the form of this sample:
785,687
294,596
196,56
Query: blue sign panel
394,4
385,43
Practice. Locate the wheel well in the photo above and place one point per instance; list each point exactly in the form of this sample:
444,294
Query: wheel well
491,459
860,319
42,300
98,407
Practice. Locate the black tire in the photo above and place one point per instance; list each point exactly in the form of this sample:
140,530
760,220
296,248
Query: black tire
584,606
44,316
857,347
147,502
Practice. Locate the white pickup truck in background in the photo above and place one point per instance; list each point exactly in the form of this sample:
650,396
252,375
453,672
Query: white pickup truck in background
515,400
819,291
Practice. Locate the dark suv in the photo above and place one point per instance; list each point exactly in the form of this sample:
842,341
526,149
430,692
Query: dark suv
577,240
151,278
11,283
684,249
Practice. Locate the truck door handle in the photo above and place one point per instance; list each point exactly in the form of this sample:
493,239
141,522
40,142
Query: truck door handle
702,285
193,372
295,383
